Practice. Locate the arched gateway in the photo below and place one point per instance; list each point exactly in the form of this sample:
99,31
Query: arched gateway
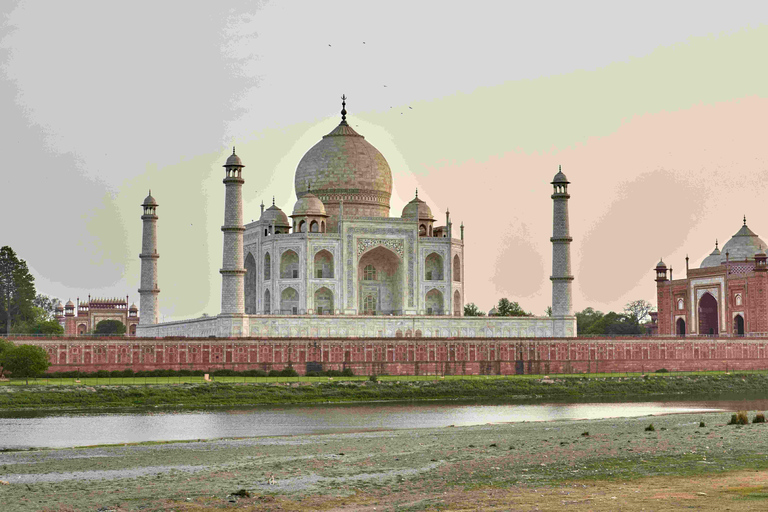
708,324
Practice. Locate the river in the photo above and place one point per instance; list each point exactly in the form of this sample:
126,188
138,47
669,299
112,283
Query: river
55,429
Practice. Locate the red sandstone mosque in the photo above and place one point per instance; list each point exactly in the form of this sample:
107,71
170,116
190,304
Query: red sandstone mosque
725,296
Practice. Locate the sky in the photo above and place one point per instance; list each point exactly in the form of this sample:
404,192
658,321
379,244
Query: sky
656,112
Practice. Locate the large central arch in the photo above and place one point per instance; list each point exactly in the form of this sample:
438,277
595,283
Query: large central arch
708,323
380,282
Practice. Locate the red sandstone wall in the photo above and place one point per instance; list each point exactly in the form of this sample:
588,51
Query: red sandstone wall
408,356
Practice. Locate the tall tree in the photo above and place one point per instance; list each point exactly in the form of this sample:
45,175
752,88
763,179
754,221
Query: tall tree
637,310
17,288
507,308
471,309
47,305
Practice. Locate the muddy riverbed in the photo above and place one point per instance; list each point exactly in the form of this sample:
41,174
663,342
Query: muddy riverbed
422,469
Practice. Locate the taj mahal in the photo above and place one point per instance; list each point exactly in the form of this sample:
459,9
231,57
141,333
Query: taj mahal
339,265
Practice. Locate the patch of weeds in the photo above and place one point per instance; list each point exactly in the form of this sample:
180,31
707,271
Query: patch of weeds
739,418
428,504
702,424
749,493
650,428
759,418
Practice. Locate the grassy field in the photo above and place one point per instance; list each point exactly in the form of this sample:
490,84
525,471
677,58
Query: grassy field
240,391
145,381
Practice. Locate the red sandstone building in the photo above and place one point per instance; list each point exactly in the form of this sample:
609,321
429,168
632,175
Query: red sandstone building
81,319
725,296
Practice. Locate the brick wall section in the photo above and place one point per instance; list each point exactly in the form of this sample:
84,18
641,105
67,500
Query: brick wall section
409,356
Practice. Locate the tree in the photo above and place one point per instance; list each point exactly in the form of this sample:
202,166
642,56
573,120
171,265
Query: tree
637,310
507,308
17,288
24,361
548,311
47,305
4,345
586,318
41,322
109,327
472,310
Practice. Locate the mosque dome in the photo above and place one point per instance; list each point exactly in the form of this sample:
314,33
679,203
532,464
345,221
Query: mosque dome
343,166
713,260
661,264
276,214
309,204
417,209
742,246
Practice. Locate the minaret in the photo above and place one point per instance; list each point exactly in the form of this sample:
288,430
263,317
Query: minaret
232,270
149,291
562,280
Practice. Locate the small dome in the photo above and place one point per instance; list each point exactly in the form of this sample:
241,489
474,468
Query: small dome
560,177
417,209
713,260
661,264
276,214
309,204
149,200
59,307
70,304
742,246
233,160
133,307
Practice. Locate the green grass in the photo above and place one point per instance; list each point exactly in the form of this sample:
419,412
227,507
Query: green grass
240,391
145,381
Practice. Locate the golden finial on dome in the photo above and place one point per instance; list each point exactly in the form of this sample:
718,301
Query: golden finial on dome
343,108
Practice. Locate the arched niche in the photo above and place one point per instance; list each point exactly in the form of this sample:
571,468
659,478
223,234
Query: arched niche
708,315
434,302
380,281
738,325
680,327
289,302
323,264
250,284
289,265
267,267
324,301
267,303
457,309
433,267
456,268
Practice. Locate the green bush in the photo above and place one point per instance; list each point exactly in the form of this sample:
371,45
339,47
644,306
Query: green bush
702,424
373,378
662,370
650,428
759,418
288,371
347,372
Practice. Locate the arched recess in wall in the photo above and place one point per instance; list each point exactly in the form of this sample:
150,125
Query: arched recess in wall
433,267
738,325
267,303
250,284
708,315
680,327
289,265
289,302
456,268
323,264
324,301
267,267
314,227
434,302
380,282
457,309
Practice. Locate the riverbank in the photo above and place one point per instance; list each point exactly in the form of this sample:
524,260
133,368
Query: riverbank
605,464
510,388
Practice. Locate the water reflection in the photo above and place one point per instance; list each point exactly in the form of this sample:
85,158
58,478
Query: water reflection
55,429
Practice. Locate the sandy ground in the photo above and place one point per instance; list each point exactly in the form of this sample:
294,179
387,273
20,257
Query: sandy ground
611,464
